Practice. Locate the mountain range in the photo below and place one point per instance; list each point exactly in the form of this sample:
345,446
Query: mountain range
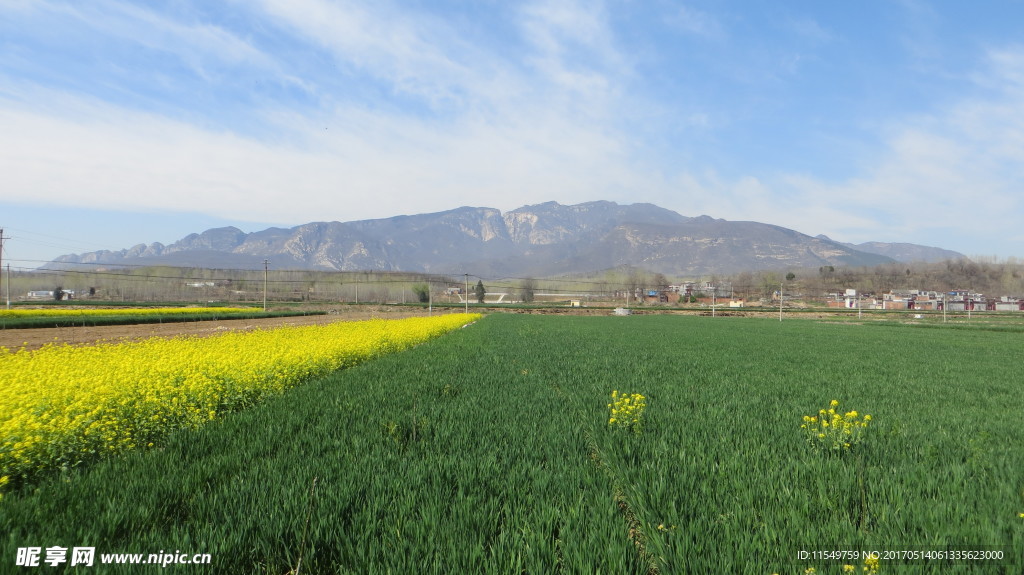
539,240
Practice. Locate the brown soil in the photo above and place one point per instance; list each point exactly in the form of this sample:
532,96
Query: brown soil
34,338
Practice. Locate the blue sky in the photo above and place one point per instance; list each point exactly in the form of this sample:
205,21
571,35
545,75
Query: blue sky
125,123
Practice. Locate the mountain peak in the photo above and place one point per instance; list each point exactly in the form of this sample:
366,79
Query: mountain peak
535,240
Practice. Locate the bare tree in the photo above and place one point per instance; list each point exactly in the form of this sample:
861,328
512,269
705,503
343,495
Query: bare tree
528,287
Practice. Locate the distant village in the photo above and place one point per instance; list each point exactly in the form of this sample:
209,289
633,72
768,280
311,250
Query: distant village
900,299
956,300
697,293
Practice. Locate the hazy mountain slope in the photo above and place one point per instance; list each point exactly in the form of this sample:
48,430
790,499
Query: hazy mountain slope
542,239
903,252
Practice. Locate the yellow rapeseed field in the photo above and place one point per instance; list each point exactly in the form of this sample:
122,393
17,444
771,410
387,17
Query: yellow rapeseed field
63,404
98,312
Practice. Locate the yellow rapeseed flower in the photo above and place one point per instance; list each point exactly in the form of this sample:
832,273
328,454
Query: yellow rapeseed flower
626,410
835,430
61,404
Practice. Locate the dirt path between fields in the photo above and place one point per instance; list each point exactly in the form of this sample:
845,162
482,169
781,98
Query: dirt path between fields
34,338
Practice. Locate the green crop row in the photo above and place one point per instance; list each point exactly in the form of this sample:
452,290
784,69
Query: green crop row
414,465
722,458
130,317
489,451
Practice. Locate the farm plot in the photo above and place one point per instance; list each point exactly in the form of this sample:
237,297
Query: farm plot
71,312
490,451
64,405
74,316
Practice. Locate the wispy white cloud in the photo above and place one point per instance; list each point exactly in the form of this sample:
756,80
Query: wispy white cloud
195,43
351,164
573,48
1006,71
414,112
568,63
920,38
23,6
809,28
416,54
954,168
502,138
698,22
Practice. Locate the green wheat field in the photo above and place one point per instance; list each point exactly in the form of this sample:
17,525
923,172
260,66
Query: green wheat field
489,450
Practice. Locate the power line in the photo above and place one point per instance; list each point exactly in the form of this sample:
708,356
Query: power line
135,273
28,236
2,238
414,276
451,274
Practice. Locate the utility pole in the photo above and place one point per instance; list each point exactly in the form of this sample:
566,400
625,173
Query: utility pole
467,293
2,238
266,264
782,286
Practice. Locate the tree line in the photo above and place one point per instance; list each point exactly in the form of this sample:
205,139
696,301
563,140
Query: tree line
989,276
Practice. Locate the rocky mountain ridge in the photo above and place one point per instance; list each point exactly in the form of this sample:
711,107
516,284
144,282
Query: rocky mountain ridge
538,240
